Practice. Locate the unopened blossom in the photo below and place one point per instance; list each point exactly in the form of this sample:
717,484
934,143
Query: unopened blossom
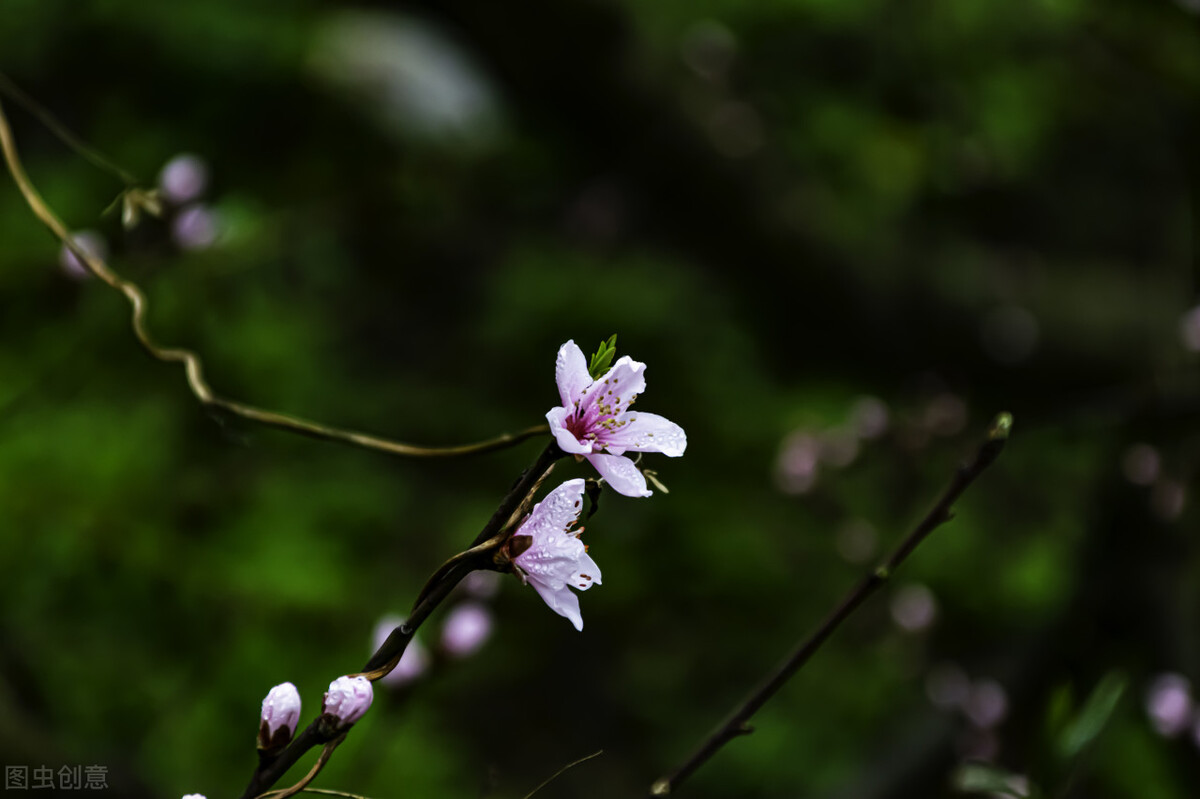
194,796
280,715
555,560
595,420
184,178
346,701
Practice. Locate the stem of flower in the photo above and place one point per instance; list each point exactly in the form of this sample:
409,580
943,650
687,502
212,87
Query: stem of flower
388,655
194,368
736,724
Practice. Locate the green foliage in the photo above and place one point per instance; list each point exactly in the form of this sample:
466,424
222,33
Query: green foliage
835,198
602,358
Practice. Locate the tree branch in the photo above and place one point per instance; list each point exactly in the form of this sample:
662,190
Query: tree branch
389,653
193,367
737,722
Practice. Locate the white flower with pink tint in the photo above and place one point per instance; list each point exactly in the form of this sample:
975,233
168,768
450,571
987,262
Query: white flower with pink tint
595,420
280,715
554,560
346,701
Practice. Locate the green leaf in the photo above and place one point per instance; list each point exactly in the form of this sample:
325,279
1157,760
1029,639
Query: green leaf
980,778
603,357
1094,716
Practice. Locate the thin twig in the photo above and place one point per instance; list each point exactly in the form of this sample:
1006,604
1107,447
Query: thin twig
326,753
191,362
64,134
562,771
737,723
389,653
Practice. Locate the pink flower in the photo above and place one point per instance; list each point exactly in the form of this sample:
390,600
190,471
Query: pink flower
595,422
555,557
280,715
346,701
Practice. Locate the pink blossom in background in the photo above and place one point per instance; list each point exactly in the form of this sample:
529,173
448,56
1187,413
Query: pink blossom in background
947,686
556,558
1189,328
987,703
869,417
595,419
195,228
467,627
798,462
413,663
1141,464
183,179
1169,704
482,584
913,608
91,243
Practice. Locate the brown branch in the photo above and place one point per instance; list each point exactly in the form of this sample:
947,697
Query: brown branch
737,723
389,653
193,367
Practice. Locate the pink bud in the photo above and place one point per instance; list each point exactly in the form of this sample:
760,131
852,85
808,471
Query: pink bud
195,228
346,701
183,179
280,714
467,628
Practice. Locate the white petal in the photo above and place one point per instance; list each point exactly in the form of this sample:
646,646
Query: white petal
613,392
620,473
565,438
571,373
586,573
556,514
560,600
646,432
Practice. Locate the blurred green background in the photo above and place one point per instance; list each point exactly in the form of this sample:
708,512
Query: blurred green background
842,235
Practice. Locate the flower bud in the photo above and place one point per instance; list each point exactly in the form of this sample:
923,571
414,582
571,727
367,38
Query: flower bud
194,796
183,179
280,714
346,701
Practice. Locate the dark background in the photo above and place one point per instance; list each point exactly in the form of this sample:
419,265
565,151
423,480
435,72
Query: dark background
806,216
